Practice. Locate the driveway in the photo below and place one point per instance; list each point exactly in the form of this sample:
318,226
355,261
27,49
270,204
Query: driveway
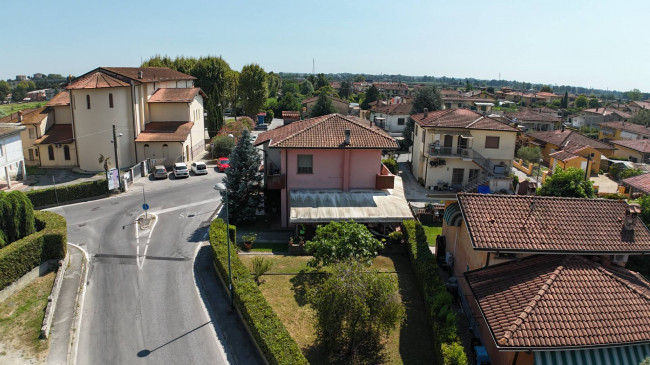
41,178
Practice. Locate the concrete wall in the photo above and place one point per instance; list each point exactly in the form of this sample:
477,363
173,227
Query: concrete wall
164,156
59,156
62,114
622,151
169,112
391,122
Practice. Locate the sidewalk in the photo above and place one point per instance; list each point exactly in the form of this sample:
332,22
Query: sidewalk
64,313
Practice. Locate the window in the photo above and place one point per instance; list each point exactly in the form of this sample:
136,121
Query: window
110,101
50,152
416,130
400,121
491,142
32,133
66,153
305,164
87,101
31,155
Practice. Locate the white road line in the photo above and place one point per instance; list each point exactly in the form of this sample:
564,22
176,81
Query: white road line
137,239
162,211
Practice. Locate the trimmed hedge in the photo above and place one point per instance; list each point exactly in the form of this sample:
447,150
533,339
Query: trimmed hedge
267,329
65,193
437,300
20,257
16,217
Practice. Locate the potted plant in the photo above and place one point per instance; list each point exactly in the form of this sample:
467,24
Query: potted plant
301,239
248,240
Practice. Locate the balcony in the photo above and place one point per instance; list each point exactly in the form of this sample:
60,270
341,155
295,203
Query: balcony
462,152
384,179
275,182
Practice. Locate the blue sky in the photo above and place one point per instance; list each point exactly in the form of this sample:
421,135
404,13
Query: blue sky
599,44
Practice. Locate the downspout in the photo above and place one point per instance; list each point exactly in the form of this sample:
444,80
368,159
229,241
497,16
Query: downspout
191,139
286,184
135,131
487,260
514,361
74,133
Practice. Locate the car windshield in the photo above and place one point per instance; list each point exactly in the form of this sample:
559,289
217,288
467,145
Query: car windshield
161,171
181,167
225,162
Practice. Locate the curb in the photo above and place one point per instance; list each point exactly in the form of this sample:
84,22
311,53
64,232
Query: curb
76,320
54,297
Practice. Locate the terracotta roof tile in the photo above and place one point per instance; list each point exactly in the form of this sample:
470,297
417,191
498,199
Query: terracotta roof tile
628,127
641,145
175,95
560,138
10,128
150,74
530,115
519,223
289,114
328,131
391,85
460,118
62,98
314,98
393,109
607,111
13,117
96,80
563,156
58,133
165,132
641,182
30,116
562,301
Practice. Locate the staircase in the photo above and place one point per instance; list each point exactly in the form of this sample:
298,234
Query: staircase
480,179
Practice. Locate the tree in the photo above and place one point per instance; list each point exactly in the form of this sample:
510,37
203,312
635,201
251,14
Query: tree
230,92
359,78
321,81
581,102
641,117
407,133
342,241
646,361
565,100
546,89
18,93
372,94
306,88
323,106
633,95
5,89
290,86
594,103
243,180
453,354
490,90
468,86
567,183
426,97
105,160
346,89
222,146
212,121
355,312
253,89
289,102
274,82
530,154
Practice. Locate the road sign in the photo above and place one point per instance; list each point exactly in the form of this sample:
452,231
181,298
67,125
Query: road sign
145,206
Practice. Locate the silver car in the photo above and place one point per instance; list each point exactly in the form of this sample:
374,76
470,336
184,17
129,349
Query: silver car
159,172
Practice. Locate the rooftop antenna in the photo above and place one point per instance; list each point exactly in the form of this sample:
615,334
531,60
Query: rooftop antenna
313,66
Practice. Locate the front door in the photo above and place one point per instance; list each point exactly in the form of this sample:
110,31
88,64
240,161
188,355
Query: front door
457,176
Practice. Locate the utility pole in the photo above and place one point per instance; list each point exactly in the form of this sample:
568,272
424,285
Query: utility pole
117,162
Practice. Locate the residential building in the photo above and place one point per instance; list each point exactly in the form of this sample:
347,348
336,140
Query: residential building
636,150
341,106
482,105
566,148
636,106
594,117
11,154
529,98
622,130
329,168
637,185
157,113
534,121
459,149
391,89
391,118
542,279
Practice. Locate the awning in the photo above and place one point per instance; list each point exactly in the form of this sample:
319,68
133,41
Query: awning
453,216
622,355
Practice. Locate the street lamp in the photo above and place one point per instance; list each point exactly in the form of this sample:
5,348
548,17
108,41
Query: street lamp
117,162
222,187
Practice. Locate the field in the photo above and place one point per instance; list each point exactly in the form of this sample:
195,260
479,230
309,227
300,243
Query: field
6,109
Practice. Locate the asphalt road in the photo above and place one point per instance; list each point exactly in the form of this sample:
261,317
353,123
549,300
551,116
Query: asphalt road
148,313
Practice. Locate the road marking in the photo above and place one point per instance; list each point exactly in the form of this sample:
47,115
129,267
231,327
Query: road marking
163,211
137,240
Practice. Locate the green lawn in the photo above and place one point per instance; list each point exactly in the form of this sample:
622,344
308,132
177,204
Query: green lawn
266,247
412,343
6,109
432,232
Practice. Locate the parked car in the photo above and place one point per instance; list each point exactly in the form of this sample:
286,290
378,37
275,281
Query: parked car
159,172
223,163
199,168
262,127
180,170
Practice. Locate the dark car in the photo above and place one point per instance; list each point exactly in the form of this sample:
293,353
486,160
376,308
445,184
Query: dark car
262,127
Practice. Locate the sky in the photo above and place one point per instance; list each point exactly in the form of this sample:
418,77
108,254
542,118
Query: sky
593,44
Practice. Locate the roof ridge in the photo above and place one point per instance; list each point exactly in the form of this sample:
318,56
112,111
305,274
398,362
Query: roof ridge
476,121
322,117
507,335
330,116
624,282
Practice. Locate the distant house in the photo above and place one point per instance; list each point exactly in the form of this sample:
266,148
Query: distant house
11,153
392,118
289,117
341,106
529,98
482,105
391,89
638,185
594,117
636,150
622,130
542,279
636,106
329,168
534,121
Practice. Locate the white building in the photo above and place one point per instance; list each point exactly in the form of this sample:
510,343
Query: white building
11,153
392,118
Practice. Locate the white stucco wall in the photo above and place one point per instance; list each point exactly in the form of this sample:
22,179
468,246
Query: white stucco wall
12,149
169,112
59,156
391,123
155,151
62,114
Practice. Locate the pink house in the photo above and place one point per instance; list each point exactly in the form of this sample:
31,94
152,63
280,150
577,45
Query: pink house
329,168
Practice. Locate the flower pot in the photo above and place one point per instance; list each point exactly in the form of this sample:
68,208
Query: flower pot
248,245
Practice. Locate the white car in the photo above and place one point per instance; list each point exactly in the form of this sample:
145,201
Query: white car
199,168
180,170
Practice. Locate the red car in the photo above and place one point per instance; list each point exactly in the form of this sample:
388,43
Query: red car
223,163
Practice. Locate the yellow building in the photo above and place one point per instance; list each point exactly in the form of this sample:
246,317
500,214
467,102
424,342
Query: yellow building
637,150
622,130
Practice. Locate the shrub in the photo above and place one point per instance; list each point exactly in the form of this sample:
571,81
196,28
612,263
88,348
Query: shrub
260,267
391,165
342,241
65,193
437,300
453,354
16,217
20,257
268,331
222,146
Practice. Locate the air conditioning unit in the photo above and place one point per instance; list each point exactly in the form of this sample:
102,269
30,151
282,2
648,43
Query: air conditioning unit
442,162
619,258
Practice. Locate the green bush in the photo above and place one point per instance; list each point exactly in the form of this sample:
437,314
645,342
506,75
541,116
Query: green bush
391,165
437,300
267,329
16,217
20,257
66,193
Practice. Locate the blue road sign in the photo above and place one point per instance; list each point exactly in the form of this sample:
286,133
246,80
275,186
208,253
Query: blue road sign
145,206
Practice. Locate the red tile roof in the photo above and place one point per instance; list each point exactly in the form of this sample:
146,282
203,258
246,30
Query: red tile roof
641,104
563,156
13,117
460,118
58,133
561,138
165,132
328,131
530,115
96,80
522,223
30,116
628,127
641,182
7,129
289,114
60,99
314,98
175,95
391,85
608,111
393,109
150,74
558,301
641,145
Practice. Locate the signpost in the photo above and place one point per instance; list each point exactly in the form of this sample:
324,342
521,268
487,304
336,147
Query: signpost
145,206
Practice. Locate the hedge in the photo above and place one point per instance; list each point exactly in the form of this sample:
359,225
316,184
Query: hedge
437,300
65,193
16,217
268,331
49,242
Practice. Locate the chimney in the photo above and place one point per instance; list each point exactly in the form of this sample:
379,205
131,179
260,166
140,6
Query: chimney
347,136
20,116
139,74
426,112
631,213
